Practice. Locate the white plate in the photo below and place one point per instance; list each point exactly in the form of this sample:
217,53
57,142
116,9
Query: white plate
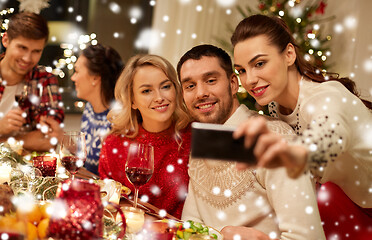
212,230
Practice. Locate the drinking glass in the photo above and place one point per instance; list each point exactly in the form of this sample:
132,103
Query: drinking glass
73,151
139,166
24,103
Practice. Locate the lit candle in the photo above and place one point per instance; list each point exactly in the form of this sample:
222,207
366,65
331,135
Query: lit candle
115,198
5,170
135,219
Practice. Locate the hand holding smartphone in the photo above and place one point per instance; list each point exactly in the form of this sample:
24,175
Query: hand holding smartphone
215,141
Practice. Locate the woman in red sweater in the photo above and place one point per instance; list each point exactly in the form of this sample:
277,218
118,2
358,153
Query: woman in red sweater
150,110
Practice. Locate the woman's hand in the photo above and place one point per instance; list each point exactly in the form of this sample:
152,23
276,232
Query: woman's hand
53,128
245,233
271,150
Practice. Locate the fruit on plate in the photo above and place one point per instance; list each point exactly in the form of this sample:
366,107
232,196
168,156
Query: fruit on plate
34,223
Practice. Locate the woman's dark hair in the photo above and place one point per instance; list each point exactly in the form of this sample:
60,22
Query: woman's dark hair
28,25
105,62
278,33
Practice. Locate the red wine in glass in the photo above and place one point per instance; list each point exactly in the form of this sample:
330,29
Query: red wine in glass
73,151
138,176
139,166
23,101
71,163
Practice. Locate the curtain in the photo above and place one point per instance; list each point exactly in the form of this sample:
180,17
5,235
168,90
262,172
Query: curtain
181,26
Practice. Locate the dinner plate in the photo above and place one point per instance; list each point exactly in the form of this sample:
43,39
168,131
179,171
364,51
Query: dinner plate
215,231
211,229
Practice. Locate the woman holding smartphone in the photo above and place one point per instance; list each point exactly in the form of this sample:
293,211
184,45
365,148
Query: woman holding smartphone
333,125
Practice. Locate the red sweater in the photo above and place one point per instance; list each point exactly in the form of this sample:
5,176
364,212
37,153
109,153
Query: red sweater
167,188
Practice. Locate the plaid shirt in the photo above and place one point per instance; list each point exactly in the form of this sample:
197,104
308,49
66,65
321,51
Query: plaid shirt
40,81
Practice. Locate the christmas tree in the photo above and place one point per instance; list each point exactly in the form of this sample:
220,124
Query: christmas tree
305,19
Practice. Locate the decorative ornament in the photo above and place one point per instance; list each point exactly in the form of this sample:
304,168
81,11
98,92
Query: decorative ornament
33,6
321,7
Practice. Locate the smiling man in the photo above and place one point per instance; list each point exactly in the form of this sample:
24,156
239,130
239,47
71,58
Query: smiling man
24,42
255,204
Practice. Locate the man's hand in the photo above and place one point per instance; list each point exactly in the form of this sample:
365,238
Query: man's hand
245,233
12,122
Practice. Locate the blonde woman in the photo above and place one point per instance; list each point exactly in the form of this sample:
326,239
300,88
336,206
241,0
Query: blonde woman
151,111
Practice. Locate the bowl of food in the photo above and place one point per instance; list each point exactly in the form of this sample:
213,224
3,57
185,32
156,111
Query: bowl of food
159,230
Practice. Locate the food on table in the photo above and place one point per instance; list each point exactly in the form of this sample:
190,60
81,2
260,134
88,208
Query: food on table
125,190
42,228
6,194
34,223
193,230
188,230
34,216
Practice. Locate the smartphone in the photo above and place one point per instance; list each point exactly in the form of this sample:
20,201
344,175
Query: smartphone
215,141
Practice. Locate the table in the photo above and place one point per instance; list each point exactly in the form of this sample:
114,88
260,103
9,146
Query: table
151,212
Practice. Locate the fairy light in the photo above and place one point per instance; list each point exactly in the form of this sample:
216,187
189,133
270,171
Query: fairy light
311,35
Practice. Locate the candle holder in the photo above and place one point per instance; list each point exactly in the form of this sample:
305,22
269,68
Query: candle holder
46,164
135,219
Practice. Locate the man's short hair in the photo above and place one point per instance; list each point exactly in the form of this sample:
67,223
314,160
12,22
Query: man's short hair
28,25
207,50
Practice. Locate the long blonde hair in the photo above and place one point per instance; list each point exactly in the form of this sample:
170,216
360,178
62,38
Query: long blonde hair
125,119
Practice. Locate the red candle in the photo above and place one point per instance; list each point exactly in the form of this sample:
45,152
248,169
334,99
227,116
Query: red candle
46,164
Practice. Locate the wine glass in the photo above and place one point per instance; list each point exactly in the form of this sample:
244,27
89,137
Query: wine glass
139,166
22,100
73,151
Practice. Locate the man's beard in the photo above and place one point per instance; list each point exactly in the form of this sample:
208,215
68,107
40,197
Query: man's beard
219,117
